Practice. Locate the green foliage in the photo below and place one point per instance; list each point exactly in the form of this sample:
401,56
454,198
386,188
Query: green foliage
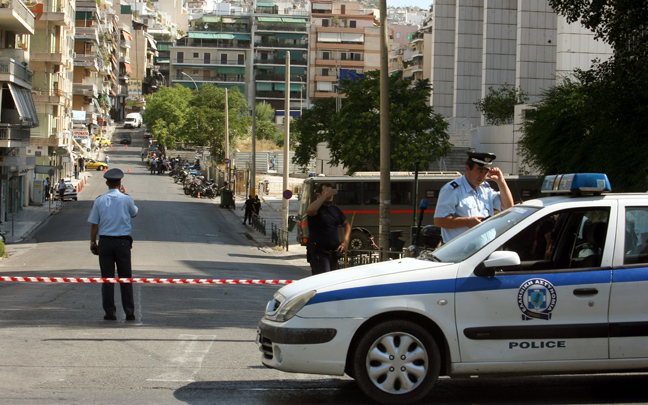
596,122
265,128
353,133
205,121
3,252
499,104
180,114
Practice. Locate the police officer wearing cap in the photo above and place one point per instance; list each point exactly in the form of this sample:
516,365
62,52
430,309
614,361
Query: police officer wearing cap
110,217
465,202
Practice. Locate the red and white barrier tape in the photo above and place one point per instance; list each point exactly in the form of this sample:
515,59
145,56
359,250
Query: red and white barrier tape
138,280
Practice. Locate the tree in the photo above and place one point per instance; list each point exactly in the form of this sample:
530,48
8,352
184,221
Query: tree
499,104
353,134
166,113
265,128
597,121
204,124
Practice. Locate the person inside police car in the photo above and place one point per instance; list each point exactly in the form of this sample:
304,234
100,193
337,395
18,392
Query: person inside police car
467,201
110,217
324,219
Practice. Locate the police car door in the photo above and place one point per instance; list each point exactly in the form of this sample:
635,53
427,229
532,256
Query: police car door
628,314
555,305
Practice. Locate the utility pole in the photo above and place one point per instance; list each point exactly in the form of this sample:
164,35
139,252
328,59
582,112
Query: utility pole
284,205
227,154
253,171
385,151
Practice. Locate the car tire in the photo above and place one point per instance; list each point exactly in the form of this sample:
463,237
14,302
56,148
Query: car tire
358,241
396,362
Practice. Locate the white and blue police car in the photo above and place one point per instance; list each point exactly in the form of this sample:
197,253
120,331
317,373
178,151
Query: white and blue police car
550,286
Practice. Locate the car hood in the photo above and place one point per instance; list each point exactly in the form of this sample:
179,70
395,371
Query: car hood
360,276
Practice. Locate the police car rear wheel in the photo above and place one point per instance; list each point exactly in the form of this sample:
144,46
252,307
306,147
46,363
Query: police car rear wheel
396,362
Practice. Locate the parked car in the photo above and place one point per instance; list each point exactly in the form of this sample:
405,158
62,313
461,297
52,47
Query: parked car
148,135
126,140
93,164
133,120
70,191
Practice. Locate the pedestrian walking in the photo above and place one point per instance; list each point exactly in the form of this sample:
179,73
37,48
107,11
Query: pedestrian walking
107,159
248,206
110,219
257,205
324,246
47,188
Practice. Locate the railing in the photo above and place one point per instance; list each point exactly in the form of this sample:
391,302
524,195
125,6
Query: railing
11,66
21,9
183,78
360,257
281,78
282,27
294,95
201,62
279,44
86,32
14,134
259,224
196,44
279,61
279,236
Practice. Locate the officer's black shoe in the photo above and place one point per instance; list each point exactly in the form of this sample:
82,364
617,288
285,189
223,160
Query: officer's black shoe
130,317
110,318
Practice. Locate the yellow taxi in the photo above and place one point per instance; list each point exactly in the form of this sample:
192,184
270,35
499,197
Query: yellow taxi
93,164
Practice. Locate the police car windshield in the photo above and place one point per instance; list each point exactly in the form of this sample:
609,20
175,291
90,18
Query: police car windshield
469,242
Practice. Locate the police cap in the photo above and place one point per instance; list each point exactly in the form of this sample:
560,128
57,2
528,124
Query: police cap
482,159
114,174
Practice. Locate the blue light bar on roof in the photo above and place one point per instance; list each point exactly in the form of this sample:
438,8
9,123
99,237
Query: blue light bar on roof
576,183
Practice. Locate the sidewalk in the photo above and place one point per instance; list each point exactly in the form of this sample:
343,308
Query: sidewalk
21,224
271,212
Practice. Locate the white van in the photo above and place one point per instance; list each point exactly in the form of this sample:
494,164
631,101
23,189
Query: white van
133,120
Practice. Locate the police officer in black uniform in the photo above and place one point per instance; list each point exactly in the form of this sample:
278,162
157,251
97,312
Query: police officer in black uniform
324,219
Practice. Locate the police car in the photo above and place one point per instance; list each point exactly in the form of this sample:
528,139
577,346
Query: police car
554,285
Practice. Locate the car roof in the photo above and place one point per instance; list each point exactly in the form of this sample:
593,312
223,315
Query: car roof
549,201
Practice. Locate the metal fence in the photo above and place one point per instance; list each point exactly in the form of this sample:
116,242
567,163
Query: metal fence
279,236
259,224
360,257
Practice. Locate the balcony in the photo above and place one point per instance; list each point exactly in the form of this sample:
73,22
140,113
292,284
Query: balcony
9,136
86,34
279,61
14,72
18,54
16,17
87,61
46,57
85,89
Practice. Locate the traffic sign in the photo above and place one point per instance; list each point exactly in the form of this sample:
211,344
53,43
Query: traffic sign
227,161
287,194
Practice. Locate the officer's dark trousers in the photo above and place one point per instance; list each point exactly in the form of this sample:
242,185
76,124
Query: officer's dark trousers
321,261
116,252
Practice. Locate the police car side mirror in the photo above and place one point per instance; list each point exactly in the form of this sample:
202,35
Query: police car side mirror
500,260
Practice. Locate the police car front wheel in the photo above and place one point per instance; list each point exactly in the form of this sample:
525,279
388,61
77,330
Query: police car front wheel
396,362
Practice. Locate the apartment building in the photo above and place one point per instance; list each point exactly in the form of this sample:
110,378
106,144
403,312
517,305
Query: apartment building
52,61
342,37
216,50
281,30
477,44
17,110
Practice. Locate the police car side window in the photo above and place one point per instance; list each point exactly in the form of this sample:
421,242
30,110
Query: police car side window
636,235
562,240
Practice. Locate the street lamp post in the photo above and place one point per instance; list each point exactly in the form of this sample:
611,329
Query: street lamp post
194,82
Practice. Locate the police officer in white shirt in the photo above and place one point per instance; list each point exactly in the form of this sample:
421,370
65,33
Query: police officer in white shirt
110,217
465,202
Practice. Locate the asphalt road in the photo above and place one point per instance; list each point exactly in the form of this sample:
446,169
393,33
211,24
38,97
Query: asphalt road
191,344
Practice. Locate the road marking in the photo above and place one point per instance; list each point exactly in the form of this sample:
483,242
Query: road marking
184,367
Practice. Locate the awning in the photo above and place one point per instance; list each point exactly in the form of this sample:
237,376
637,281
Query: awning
217,35
350,37
211,19
328,37
127,36
24,104
294,55
112,93
265,4
128,68
263,86
290,36
269,19
164,47
293,20
280,86
151,42
231,70
162,60
280,70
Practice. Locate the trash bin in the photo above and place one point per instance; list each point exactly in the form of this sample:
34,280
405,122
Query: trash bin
396,243
227,199
292,221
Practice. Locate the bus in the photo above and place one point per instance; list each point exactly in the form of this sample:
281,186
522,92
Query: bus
359,195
